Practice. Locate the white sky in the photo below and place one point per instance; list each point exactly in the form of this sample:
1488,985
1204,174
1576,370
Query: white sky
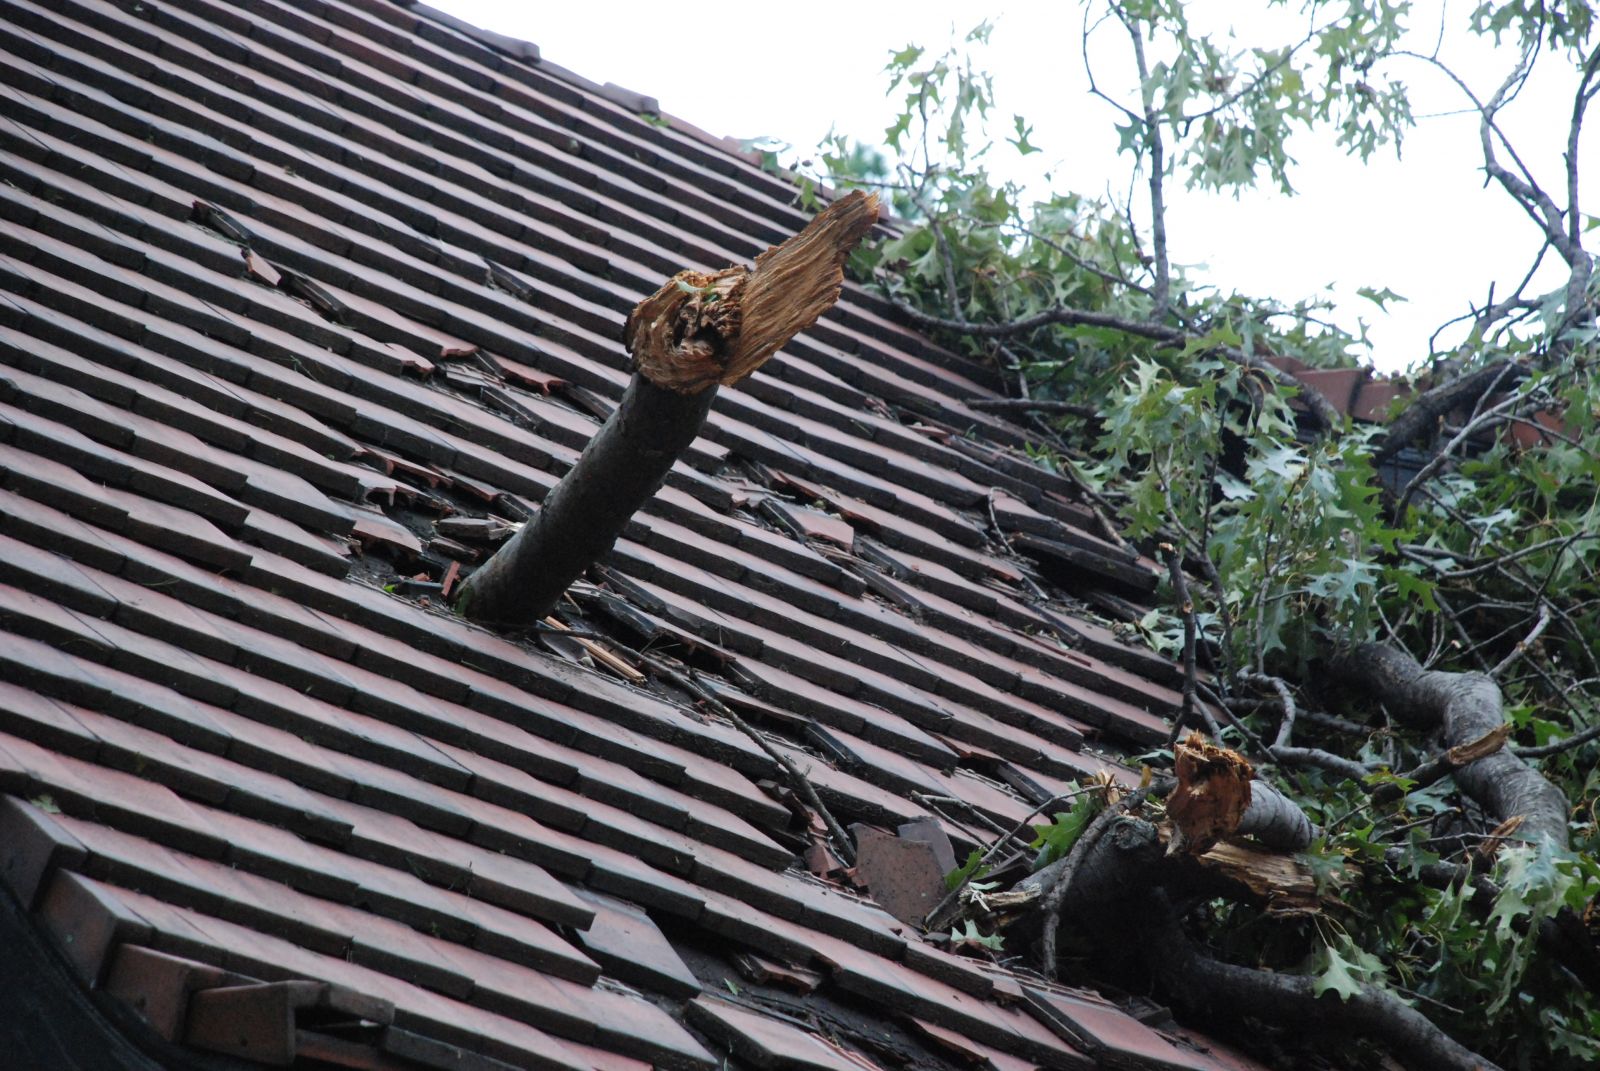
1424,226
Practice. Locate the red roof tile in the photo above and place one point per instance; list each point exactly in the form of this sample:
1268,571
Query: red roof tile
285,289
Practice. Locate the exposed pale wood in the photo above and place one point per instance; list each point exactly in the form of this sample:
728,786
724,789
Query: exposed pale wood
1212,794
702,329
600,654
1281,881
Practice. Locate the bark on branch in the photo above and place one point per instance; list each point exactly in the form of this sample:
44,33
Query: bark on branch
1460,709
1424,412
697,332
1213,988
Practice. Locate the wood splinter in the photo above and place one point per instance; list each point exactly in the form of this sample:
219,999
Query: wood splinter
698,332
1218,796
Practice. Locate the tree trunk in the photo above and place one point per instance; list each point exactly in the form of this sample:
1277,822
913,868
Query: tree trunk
698,331
1461,708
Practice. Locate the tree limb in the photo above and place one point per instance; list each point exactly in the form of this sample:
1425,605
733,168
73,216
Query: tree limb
1426,409
696,332
1460,708
1213,988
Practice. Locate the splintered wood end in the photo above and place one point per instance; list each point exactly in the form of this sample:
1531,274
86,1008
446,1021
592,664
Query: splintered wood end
1212,794
702,329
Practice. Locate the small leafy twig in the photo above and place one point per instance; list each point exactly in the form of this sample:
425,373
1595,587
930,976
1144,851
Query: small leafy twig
941,916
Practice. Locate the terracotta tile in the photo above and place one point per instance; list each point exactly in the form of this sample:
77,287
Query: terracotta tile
87,921
1004,1028
903,876
503,880
35,846
132,802
624,941
1109,1030
158,986
766,1042
52,576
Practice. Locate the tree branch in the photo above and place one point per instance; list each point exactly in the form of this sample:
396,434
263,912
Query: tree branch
696,332
1212,988
1161,292
1426,409
1460,708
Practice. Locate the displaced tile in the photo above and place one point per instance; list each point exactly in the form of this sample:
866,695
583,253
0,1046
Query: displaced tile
905,877
630,947
766,1042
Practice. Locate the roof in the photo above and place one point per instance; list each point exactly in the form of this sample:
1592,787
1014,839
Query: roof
303,304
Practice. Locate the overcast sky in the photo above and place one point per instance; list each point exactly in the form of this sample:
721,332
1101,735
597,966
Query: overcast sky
1424,226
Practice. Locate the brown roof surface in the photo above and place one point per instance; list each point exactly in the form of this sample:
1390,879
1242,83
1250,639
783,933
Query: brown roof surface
295,296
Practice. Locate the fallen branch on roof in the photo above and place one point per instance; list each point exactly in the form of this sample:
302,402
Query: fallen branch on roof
698,332
1213,988
1120,901
1461,709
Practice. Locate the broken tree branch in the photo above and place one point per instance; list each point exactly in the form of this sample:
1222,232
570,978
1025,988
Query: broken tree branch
1211,987
697,332
1218,795
1460,708
1424,412
1444,764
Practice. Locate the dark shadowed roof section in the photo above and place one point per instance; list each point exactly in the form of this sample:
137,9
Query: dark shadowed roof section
304,306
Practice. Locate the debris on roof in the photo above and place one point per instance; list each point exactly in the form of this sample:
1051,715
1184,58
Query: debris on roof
305,305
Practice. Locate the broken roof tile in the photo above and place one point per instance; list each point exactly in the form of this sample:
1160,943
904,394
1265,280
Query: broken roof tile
257,336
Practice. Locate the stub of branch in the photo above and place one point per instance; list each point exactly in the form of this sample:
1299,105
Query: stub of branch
703,329
1212,795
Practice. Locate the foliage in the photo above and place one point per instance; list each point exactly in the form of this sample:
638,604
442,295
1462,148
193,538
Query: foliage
1055,839
971,870
1476,553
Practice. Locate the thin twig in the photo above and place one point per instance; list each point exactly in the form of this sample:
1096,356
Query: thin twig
935,919
1555,747
1156,147
1526,642
937,802
797,779
1285,704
